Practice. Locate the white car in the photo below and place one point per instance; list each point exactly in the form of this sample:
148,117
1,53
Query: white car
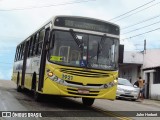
126,90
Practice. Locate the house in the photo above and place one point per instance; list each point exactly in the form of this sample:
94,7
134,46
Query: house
151,73
131,67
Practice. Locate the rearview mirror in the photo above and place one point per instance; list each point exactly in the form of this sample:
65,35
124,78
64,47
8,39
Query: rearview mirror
121,52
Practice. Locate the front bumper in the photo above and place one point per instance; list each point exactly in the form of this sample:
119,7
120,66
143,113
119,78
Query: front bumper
127,95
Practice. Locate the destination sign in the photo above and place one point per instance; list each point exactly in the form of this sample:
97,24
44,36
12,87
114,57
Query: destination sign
87,24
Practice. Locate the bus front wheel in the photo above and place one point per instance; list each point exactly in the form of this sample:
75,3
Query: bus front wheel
88,101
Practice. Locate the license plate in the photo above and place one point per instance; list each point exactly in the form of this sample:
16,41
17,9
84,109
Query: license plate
83,91
128,93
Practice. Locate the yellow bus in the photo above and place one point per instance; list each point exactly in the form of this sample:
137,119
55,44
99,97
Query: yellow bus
70,56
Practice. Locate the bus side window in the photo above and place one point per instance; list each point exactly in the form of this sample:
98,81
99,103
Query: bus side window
18,52
15,59
41,37
35,45
22,51
32,46
29,47
17,56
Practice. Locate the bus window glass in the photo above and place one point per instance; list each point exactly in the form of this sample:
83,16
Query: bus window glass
29,47
97,53
64,49
41,37
21,49
35,45
102,52
32,46
15,59
22,52
17,53
37,42
30,50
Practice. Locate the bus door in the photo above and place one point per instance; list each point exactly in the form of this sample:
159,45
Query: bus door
25,54
43,59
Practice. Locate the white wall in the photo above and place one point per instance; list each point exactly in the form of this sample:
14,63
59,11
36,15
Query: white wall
129,72
133,57
151,58
155,91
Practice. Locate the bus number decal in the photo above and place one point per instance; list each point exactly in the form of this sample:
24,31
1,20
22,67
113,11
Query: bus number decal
67,77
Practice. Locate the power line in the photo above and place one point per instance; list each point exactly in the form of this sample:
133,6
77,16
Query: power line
141,28
140,22
132,10
140,34
35,7
137,12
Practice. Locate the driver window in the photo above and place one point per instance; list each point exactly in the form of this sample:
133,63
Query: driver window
64,52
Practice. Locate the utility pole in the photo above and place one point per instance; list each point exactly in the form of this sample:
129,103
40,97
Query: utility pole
144,47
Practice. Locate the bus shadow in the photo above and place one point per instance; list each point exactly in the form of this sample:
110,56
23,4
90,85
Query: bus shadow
54,101
61,106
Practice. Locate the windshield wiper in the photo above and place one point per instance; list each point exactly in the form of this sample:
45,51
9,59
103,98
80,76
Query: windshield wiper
79,43
99,49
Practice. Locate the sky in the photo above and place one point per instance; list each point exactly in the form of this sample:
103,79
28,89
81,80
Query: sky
139,20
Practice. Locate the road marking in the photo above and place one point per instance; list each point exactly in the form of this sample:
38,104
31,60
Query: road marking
111,113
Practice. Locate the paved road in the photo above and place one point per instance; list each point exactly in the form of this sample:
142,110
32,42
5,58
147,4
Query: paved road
67,108
62,108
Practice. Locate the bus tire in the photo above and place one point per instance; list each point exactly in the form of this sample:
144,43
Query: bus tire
88,101
19,89
34,81
37,96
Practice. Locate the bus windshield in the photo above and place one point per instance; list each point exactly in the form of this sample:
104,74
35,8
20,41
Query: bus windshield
98,52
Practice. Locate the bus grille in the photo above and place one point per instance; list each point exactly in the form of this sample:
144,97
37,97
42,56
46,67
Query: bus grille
75,92
84,73
78,83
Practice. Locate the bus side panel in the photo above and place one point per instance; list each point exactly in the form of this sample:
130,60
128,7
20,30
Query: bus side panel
51,87
14,77
28,80
17,69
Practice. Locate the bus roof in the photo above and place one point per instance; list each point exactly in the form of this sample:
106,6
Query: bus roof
53,18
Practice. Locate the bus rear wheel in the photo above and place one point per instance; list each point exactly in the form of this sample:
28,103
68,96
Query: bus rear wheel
19,89
37,96
88,101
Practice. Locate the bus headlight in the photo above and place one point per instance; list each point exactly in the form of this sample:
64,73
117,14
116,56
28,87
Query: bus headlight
54,77
50,74
115,81
110,84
